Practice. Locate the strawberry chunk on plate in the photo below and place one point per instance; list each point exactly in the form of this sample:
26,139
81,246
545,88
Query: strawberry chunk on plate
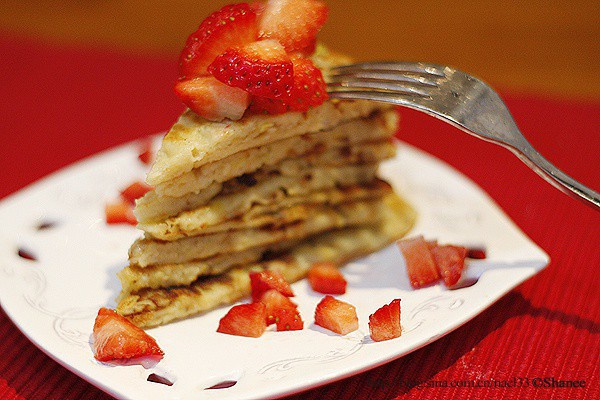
119,212
384,324
262,281
231,26
420,264
450,261
288,319
260,68
116,338
336,315
294,23
476,253
211,99
274,301
146,155
134,191
326,278
244,320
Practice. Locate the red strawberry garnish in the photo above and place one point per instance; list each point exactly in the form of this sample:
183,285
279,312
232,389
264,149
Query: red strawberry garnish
244,320
326,278
116,338
384,324
134,191
274,301
146,153
335,315
120,212
294,23
309,90
261,68
450,261
231,26
262,281
420,265
288,319
476,253
212,99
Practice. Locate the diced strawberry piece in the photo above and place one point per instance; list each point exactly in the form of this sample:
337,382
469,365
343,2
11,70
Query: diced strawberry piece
420,265
336,315
476,253
273,301
288,319
231,26
450,261
212,99
294,23
244,320
262,281
134,191
116,338
384,324
309,90
260,68
326,278
146,153
120,212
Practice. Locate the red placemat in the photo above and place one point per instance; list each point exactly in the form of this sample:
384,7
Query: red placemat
61,104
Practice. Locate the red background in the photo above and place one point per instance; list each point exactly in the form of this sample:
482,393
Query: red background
60,104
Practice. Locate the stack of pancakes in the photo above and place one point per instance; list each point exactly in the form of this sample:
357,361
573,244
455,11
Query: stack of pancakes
274,192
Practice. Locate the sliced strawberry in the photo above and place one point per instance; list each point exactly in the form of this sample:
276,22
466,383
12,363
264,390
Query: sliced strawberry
326,278
337,316
273,301
212,99
294,23
116,338
261,68
420,265
134,191
384,324
146,152
288,319
476,253
262,281
244,320
450,261
120,212
231,26
309,90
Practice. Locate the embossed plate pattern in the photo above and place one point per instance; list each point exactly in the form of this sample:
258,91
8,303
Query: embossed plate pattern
54,299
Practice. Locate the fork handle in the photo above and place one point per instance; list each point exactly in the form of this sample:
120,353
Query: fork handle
530,156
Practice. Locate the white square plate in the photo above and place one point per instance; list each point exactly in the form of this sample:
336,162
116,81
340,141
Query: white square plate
54,300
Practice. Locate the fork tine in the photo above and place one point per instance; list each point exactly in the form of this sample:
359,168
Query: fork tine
388,86
418,68
407,100
384,75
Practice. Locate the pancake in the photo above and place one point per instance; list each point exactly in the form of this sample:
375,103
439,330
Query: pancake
378,127
194,141
311,186
145,252
161,276
154,207
152,307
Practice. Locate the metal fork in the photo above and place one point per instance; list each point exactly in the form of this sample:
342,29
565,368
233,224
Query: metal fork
455,97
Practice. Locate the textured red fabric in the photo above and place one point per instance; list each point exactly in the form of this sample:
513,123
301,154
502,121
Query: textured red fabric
61,104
